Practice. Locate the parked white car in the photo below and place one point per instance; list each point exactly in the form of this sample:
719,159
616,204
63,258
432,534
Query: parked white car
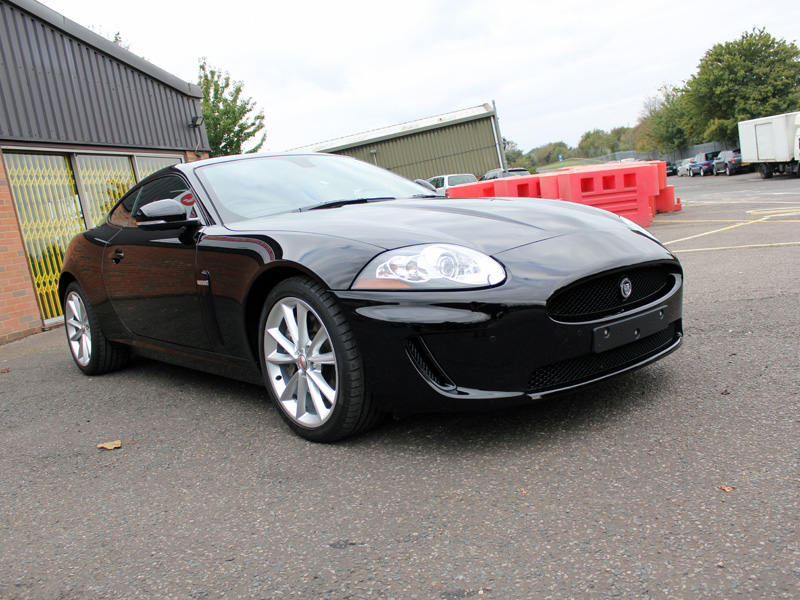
442,182
683,167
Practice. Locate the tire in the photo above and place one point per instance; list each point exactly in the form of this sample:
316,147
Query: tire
728,171
311,363
691,173
702,172
764,171
90,349
714,170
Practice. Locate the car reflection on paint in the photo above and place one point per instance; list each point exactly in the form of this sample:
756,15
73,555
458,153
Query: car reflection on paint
352,293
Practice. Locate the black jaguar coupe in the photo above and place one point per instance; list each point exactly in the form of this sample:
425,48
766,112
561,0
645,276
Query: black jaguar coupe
352,292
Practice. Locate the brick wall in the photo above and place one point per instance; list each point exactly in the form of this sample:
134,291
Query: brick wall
19,308
193,156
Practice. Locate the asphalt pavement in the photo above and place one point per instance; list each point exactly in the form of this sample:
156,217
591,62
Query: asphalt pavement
681,480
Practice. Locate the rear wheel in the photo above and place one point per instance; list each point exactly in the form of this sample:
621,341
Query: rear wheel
92,352
764,171
311,363
691,173
714,170
728,171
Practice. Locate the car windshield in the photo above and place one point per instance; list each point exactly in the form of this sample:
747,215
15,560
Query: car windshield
459,179
265,185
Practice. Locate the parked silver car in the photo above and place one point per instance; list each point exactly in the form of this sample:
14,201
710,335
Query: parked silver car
442,182
683,167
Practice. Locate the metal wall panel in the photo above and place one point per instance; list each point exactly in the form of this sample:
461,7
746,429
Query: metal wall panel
57,88
468,147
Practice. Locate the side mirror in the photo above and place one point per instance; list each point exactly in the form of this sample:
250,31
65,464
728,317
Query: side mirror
163,214
426,184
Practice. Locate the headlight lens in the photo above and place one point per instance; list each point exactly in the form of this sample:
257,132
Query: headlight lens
432,266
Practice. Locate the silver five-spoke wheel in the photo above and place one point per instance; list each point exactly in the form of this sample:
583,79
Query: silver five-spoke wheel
300,362
79,333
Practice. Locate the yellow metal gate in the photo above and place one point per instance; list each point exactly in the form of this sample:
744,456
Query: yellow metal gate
49,215
51,210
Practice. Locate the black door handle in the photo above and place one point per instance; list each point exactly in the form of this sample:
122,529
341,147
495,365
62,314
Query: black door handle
116,256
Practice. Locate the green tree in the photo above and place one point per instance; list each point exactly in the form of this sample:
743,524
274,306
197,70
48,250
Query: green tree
549,153
227,115
513,153
595,143
662,122
622,139
754,76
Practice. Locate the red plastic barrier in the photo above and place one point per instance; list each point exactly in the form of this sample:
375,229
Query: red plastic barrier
634,190
531,186
527,186
548,182
661,167
624,189
666,200
479,189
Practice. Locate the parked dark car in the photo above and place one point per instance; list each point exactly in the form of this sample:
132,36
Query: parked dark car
351,292
729,162
671,168
500,173
703,163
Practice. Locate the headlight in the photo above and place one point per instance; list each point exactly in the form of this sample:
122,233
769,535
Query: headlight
432,266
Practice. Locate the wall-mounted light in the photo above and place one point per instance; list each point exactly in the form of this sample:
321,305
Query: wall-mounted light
196,121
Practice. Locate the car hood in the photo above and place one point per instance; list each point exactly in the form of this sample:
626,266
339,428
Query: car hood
490,225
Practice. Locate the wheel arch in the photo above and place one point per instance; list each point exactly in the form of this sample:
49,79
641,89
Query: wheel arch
260,289
63,283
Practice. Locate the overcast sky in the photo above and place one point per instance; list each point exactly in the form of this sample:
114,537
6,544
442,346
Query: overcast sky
326,69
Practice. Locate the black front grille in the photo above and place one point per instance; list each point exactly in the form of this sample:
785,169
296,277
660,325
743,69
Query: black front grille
601,296
591,366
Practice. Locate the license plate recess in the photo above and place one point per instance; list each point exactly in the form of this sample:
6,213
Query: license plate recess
625,331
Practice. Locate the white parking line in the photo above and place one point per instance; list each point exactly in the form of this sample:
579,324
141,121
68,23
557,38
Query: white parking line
692,237
770,214
737,247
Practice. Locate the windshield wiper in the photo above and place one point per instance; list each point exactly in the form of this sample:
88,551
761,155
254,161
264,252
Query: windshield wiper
338,203
429,196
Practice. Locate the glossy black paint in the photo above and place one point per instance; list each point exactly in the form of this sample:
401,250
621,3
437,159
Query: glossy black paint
192,295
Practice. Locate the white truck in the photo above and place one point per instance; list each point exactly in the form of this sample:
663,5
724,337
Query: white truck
772,144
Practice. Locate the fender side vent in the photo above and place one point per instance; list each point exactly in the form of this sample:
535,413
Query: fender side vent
422,359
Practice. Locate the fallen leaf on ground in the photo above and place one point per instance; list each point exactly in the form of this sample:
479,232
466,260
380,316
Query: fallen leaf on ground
726,488
5,370
110,445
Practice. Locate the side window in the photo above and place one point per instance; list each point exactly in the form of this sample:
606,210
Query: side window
121,215
170,187
165,187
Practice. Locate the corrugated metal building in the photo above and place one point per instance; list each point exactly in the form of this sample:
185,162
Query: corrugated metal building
463,141
81,120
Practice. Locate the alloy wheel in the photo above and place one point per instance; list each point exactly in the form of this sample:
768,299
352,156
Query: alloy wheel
300,362
79,333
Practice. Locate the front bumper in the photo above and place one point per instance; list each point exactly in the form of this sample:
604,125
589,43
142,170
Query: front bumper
470,350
